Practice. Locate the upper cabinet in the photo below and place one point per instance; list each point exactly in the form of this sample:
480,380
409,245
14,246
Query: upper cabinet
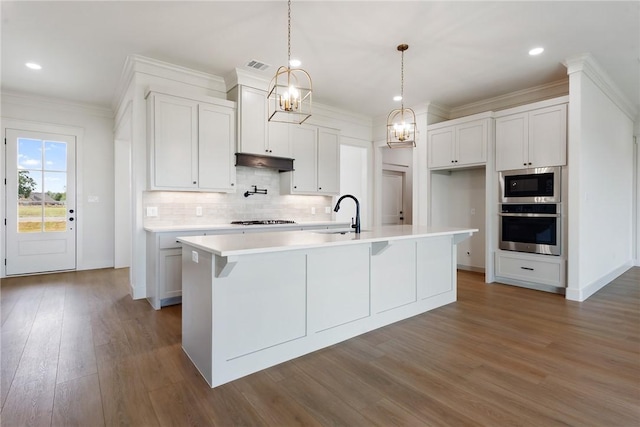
458,143
530,139
191,143
316,153
255,134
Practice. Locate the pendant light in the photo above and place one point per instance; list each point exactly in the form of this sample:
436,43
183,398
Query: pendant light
401,123
290,90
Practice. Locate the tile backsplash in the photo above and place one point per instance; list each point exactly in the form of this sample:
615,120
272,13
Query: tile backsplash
179,208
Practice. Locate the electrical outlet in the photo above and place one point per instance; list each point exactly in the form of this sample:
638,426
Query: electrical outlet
152,211
194,256
199,211
327,209
313,211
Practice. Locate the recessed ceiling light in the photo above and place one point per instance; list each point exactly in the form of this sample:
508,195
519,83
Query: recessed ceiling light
295,63
33,66
397,98
536,51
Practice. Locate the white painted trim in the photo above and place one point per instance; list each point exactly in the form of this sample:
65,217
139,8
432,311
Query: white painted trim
153,67
36,101
532,106
513,99
590,67
189,95
586,291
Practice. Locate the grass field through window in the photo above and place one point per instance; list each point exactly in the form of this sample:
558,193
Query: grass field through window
30,218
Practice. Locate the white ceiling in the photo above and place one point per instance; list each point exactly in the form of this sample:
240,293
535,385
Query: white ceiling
460,52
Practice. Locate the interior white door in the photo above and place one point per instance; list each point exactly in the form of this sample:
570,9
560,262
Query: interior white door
392,197
40,202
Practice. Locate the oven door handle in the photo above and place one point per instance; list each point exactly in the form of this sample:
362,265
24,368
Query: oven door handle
530,215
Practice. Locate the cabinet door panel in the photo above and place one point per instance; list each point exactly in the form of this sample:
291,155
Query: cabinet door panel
216,136
170,273
253,121
441,147
175,142
511,142
279,144
328,162
471,144
548,136
304,144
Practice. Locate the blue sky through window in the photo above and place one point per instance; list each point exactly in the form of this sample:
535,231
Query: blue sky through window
30,158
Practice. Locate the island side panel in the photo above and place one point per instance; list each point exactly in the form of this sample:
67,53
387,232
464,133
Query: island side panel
197,309
436,259
393,276
259,310
339,289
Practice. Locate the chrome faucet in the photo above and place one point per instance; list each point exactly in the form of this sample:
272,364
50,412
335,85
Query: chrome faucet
355,225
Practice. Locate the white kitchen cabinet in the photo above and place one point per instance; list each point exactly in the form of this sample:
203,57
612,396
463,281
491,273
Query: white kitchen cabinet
255,134
316,153
458,143
191,143
530,269
530,139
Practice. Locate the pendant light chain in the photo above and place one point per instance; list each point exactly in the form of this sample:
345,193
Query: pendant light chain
289,36
402,79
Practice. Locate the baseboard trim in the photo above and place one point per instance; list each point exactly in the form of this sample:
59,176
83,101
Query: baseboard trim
585,292
470,268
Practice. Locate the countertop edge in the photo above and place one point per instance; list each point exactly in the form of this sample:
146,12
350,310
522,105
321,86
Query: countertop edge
192,241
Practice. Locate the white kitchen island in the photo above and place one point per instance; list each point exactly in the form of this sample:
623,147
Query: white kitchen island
255,300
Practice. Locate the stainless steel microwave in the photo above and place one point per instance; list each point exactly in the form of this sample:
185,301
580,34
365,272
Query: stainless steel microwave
535,185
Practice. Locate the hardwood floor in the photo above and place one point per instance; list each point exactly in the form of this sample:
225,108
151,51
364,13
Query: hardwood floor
77,350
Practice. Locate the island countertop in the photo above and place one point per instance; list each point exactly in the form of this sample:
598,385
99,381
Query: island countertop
246,244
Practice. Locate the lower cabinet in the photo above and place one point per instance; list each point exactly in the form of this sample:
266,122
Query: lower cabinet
531,269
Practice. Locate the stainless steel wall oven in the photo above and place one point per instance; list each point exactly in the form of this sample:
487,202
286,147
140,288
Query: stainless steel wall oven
535,228
531,210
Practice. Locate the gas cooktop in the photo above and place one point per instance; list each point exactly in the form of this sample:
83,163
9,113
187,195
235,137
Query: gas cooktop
263,222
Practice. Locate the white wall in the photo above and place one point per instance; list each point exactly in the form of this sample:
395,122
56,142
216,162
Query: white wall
94,169
601,175
458,199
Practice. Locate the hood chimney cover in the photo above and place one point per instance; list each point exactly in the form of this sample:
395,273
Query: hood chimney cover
283,164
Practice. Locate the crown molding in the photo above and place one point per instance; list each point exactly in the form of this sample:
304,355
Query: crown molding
153,67
587,64
37,101
514,99
246,78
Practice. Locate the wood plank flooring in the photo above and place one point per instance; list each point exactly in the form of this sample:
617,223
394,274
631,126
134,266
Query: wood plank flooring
77,350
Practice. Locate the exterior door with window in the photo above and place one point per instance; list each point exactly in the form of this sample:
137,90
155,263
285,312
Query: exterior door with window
40,202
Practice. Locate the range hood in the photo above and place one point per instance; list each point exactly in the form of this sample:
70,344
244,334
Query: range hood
283,164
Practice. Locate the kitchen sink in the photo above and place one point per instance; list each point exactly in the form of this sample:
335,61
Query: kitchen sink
338,231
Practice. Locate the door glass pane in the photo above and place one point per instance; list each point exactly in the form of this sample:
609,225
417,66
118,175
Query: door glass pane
30,208
55,156
55,197
29,153
42,185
